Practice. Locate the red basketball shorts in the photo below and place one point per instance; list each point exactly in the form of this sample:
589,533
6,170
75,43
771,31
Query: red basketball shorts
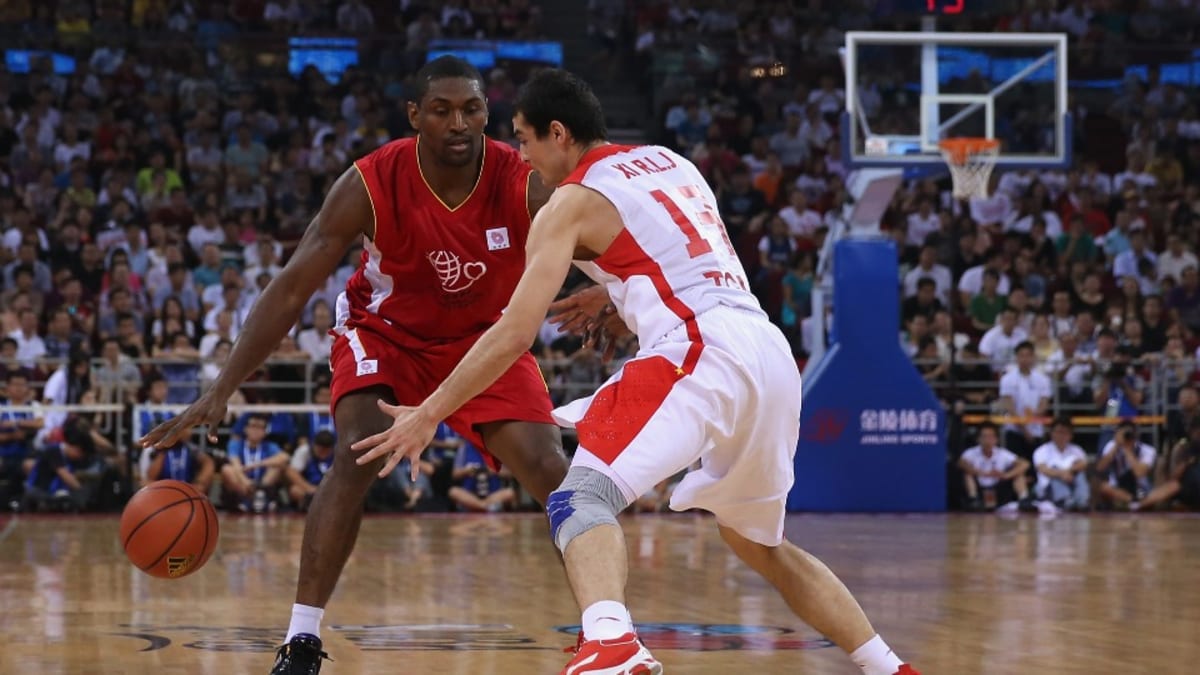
362,358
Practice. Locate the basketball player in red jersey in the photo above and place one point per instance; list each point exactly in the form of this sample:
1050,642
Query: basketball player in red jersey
713,380
444,219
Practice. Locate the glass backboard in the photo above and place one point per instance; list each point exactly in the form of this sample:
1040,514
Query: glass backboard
905,91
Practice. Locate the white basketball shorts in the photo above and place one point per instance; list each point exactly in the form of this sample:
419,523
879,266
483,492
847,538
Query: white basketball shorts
731,400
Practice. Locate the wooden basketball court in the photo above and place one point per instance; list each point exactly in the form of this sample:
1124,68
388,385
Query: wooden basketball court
957,595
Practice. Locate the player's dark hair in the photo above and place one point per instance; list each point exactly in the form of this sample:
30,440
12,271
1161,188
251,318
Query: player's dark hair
558,95
1024,345
441,68
324,438
988,425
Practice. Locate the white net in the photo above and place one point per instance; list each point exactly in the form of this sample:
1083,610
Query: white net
971,161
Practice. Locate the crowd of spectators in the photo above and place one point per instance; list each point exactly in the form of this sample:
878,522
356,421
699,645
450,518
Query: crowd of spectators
146,200
148,195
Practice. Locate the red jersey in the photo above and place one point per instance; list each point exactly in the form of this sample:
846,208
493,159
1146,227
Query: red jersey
433,274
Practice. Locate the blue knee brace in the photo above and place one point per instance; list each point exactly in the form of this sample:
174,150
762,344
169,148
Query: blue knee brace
586,499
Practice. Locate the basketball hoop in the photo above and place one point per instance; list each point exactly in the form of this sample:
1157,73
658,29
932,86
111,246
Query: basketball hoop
971,161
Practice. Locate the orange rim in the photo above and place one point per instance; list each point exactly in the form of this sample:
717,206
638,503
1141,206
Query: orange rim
959,150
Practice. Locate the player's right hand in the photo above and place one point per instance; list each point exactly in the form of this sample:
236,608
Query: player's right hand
603,331
591,315
573,313
208,411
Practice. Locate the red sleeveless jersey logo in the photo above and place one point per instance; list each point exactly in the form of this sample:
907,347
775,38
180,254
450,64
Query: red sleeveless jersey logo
435,273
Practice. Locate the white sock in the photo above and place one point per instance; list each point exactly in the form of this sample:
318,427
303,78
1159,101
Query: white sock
876,658
305,619
606,620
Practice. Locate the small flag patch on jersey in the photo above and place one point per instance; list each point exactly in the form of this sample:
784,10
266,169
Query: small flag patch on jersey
497,238
368,367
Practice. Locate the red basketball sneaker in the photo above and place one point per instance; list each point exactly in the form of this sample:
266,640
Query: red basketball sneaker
625,655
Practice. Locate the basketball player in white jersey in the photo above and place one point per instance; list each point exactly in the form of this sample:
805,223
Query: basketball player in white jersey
714,379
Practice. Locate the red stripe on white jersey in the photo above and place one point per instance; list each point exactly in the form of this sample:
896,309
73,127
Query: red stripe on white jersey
625,258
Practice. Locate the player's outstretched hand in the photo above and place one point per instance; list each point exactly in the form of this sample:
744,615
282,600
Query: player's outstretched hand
408,437
208,411
573,313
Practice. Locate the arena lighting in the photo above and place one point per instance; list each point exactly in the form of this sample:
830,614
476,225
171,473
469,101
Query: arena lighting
21,61
330,55
485,53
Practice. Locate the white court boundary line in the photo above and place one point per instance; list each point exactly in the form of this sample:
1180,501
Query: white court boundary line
8,529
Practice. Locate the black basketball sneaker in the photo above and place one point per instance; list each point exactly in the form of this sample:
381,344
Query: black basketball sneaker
300,656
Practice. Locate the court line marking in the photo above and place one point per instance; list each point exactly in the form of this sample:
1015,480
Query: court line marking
8,529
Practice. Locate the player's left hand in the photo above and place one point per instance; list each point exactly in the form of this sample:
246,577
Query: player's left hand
408,437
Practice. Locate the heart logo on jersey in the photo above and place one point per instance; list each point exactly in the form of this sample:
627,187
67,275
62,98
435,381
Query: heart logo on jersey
473,271
454,275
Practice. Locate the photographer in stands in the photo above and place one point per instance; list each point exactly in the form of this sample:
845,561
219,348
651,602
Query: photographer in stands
1123,470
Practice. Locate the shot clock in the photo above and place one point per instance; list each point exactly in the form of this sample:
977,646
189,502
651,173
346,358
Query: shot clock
935,7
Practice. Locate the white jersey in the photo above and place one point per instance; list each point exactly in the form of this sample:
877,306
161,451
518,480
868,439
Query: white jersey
673,260
1002,460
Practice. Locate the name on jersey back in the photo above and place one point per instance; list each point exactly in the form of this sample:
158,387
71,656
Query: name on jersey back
645,165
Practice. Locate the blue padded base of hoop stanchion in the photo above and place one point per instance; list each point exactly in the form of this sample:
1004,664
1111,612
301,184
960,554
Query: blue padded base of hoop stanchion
872,434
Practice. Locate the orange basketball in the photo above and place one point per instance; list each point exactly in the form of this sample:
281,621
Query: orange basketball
169,529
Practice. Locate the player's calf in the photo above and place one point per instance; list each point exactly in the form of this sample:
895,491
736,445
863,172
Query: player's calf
335,512
818,597
583,521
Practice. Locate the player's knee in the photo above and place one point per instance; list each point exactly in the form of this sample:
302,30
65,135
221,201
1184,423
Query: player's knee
550,472
586,499
346,466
